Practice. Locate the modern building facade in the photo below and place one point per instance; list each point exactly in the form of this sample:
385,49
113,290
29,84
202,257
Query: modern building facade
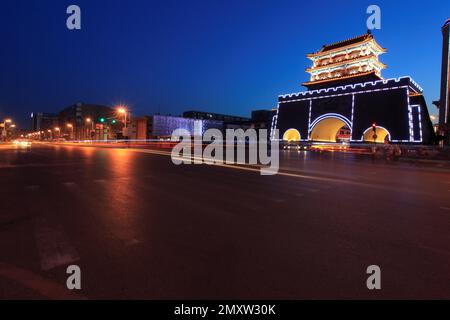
41,121
90,121
162,126
347,93
444,102
201,115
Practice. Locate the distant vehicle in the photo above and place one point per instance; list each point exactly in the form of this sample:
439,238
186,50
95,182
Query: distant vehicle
292,146
23,143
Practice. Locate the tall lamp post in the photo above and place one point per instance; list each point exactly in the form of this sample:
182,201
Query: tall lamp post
123,111
59,132
89,130
4,132
70,126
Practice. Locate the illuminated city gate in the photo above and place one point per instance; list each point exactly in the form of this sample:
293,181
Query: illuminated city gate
326,127
346,90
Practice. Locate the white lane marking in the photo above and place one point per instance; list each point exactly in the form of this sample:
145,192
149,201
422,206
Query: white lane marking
100,181
445,208
53,245
300,195
277,200
257,169
236,167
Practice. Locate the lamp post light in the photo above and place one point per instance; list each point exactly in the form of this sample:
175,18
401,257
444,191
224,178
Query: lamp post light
70,126
4,132
59,131
122,110
89,130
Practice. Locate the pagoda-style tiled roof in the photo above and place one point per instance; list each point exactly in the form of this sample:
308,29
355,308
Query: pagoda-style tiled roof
356,75
345,62
347,42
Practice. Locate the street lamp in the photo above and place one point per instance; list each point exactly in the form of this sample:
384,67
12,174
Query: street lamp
4,132
89,121
123,111
70,126
58,130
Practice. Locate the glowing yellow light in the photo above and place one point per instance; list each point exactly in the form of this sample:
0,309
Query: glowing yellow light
326,130
291,135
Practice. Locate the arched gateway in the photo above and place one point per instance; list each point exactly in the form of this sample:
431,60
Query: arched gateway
346,90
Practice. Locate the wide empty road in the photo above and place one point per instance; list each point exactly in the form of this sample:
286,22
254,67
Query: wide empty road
140,227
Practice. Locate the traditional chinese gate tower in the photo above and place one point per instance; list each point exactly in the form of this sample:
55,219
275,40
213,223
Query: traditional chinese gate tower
346,90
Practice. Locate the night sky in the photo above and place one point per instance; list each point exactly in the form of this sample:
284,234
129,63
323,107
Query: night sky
225,56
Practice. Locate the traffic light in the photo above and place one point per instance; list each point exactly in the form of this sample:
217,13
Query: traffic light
114,121
102,120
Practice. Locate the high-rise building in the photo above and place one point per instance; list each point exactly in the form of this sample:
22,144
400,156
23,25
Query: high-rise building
444,102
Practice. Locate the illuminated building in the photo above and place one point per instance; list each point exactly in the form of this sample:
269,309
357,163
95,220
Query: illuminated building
202,115
345,61
104,122
346,92
162,126
444,103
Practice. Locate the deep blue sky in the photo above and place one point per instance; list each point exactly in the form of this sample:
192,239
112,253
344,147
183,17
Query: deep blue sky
226,56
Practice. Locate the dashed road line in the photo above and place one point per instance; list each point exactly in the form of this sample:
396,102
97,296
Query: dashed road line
53,246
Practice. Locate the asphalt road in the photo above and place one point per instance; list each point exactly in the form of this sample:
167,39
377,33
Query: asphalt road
140,227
